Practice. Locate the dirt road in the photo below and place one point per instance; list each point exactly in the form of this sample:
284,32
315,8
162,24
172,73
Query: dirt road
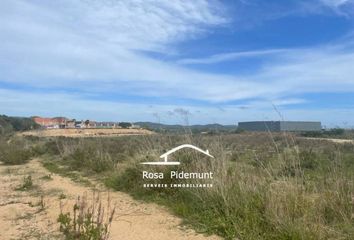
27,215
335,140
86,132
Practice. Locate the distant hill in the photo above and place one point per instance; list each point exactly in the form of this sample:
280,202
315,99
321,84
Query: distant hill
208,128
9,124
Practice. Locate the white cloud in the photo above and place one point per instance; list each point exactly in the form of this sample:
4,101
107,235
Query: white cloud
130,24
336,3
88,45
340,7
249,14
217,58
91,47
313,70
326,68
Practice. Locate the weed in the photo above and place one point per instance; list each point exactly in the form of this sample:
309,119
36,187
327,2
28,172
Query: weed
62,196
89,221
53,166
14,152
41,204
265,186
27,184
259,194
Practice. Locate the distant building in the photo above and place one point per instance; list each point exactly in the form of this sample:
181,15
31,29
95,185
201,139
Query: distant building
70,123
57,122
79,124
107,125
62,122
278,126
90,124
135,126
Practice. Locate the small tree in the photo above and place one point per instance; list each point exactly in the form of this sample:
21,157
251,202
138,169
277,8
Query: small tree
87,123
125,124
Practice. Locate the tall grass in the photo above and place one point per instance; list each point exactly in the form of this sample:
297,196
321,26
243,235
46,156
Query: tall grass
264,186
90,219
15,150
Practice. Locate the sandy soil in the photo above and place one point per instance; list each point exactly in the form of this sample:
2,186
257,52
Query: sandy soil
23,217
85,132
335,140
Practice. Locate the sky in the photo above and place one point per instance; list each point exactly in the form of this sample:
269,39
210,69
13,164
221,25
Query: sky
178,62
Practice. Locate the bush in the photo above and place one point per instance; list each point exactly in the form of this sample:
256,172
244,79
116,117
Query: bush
26,185
14,152
334,132
125,124
263,189
308,159
90,159
9,124
89,221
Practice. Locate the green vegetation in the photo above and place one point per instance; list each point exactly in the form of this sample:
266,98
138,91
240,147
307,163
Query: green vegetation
181,129
52,165
10,124
330,133
125,124
265,186
15,151
26,185
270,202
89,221
62,196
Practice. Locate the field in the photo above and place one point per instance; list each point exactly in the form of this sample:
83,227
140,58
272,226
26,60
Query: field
85,132
265,186
32,213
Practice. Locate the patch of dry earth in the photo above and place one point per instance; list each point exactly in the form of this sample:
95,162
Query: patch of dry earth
22,215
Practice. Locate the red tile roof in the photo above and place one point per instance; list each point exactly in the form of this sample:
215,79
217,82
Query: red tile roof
49,121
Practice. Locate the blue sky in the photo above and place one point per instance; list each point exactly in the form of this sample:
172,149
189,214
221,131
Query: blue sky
168,61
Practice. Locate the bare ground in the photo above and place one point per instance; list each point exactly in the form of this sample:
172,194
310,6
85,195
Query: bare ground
85,132
335,140
22,216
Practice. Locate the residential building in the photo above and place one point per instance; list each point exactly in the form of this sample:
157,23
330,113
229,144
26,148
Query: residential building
57,122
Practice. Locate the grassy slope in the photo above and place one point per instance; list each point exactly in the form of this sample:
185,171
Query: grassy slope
266,187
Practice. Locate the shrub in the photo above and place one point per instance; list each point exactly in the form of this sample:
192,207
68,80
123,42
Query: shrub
14,152
125,124
89,221
90,159
308,159
263,187
27,184
9,124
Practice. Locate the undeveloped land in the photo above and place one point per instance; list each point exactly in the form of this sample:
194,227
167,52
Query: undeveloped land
86,132
28,215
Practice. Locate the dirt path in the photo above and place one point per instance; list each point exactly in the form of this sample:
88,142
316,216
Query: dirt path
27,215
335,140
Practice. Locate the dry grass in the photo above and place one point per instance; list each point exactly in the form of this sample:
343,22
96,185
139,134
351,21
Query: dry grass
266,186
89,220
275,188
85,132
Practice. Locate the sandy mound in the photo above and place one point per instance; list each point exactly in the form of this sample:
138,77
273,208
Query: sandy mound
85,132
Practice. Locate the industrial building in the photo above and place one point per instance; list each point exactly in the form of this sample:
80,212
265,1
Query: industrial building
278,126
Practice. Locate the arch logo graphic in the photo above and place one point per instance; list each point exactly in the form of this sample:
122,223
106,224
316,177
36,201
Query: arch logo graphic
165,155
